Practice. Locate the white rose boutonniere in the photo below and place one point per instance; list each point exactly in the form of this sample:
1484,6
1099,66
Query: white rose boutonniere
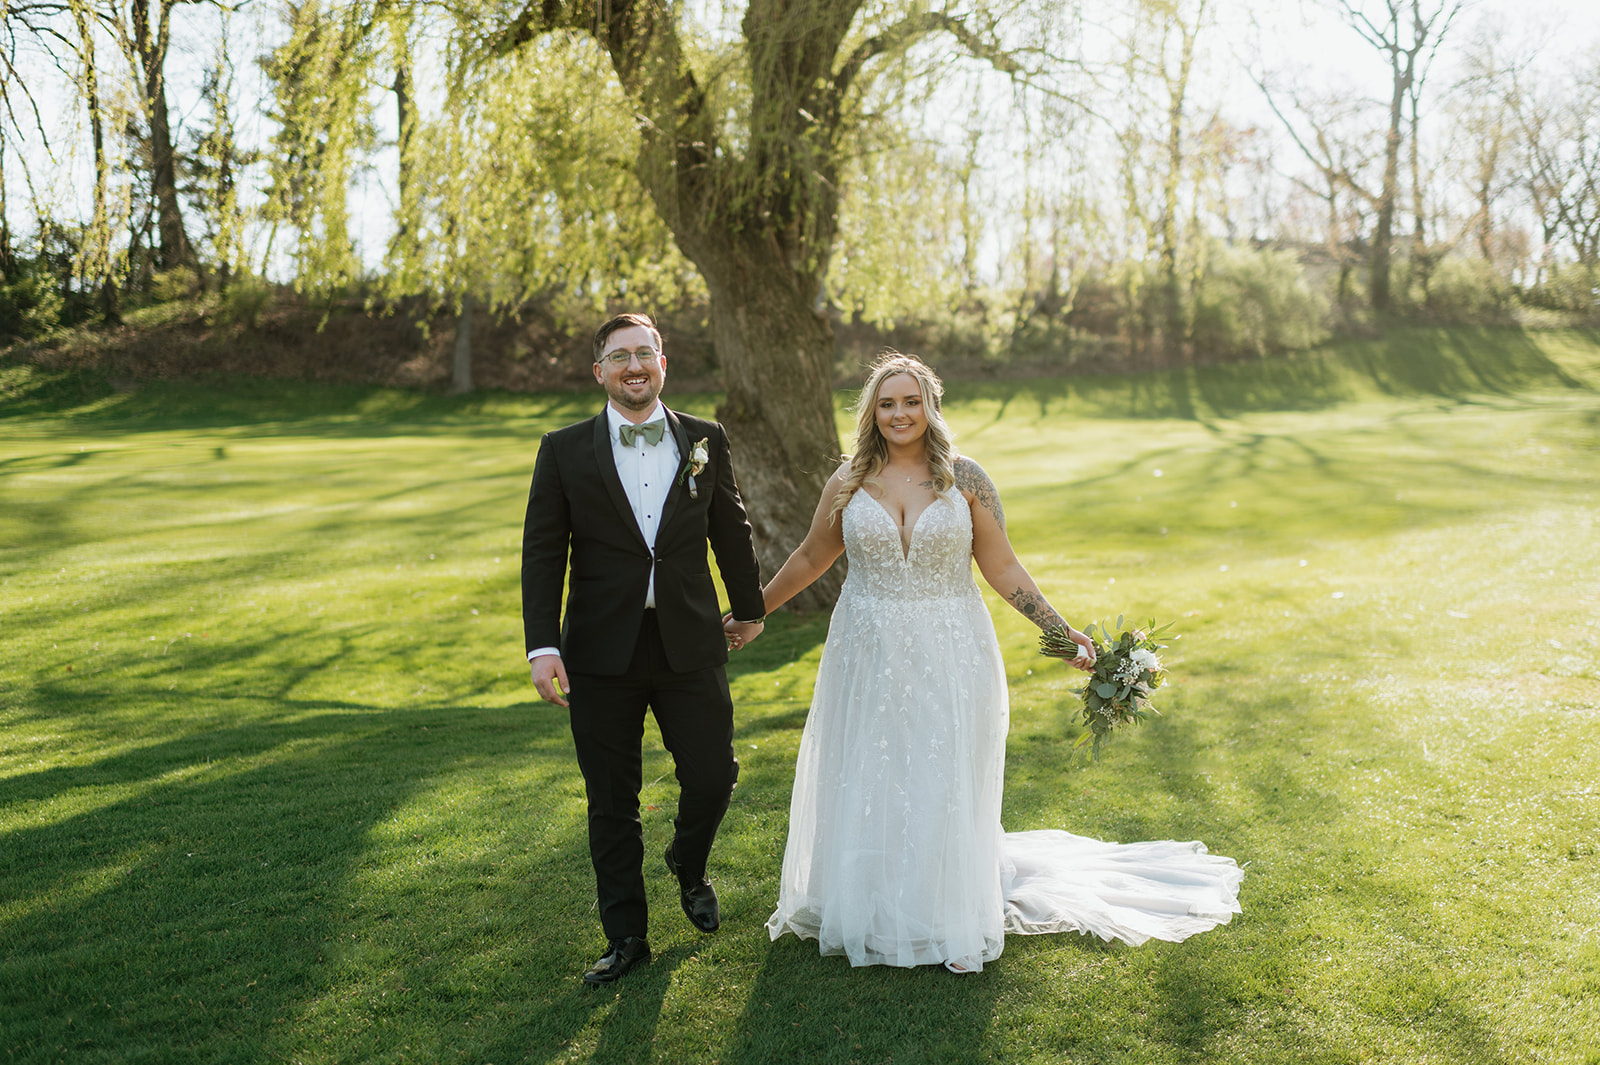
699,455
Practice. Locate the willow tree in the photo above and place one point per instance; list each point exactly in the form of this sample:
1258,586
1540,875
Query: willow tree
1407,33
742,146
584,152
518,184
324,126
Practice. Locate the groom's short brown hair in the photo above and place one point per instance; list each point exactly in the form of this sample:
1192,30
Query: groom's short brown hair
623,321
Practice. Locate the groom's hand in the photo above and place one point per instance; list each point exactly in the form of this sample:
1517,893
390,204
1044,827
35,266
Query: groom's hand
547,672
739,633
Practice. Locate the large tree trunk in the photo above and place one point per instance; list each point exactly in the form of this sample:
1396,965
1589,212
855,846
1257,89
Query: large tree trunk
757,215
759,224
777,367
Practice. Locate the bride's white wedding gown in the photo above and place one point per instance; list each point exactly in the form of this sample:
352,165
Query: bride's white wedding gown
895,853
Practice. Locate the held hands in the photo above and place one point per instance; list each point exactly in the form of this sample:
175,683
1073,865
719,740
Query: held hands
550,677
739,633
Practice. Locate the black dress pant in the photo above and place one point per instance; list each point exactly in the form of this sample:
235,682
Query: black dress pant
695,714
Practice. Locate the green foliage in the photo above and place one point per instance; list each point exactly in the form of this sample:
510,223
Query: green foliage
324,127
30,303
895,255
243,300
1255,302
180,282
525,187
214,162
1463,291
1572,287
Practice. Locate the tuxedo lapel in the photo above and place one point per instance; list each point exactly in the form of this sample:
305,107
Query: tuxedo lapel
606,459
679,482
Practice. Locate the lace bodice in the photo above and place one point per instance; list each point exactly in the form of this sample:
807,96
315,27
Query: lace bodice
938,565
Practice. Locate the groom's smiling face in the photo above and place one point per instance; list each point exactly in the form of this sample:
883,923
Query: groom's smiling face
632,384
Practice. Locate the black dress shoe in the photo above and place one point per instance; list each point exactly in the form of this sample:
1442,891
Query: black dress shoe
620,956
699,900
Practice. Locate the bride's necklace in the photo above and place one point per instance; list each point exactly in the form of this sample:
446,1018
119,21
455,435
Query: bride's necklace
909,476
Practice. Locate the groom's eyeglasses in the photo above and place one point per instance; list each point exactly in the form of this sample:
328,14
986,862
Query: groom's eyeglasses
622,358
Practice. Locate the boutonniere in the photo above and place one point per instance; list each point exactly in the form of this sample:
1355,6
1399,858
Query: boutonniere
699,455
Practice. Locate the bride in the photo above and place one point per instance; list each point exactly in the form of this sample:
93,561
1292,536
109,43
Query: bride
895,853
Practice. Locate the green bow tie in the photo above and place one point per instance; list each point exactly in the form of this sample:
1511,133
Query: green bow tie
651,431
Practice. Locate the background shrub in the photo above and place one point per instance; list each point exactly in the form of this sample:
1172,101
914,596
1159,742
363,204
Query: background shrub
1256,302
30,304
1464,291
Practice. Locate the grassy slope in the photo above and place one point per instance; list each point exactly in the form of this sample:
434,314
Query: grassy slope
273,785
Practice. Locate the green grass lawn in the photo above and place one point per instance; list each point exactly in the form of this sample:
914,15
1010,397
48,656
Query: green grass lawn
274,785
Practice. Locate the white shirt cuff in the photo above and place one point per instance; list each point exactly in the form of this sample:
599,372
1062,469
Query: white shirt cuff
537,651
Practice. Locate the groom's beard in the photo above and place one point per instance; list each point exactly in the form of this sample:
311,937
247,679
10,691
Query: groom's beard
633,399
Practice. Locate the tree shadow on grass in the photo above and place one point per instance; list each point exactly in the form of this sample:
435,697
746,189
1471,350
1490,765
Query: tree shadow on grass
445,501
805,1007
1314,871
1451,364
269,407
1332,922
1287,486
308,877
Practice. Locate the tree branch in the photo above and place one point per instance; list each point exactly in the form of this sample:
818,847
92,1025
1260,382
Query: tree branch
924,24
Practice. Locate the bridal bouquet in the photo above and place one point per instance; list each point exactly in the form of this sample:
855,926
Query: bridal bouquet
1126,673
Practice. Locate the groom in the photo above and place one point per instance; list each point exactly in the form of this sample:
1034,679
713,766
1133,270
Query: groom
623,506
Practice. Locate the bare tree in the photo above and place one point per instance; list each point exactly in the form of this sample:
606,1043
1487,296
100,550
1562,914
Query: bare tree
1486,141
45,22
1335,136
1559,135
1175,78
145,37
96,249
1560,128
212,166
1408,34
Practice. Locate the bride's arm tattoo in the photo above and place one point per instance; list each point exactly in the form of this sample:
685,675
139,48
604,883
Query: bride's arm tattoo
1033,607
971,478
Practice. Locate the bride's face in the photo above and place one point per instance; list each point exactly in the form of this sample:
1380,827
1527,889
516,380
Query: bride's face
901,419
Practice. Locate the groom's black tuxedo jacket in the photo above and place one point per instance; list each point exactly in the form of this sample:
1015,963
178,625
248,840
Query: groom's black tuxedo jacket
579,517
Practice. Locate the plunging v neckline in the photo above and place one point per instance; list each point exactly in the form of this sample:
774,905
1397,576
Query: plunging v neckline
911,537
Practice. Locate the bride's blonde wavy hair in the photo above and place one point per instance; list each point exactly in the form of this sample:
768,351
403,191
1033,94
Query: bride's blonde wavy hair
872,451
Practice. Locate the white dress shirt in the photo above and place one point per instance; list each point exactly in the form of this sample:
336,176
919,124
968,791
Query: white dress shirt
646,471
